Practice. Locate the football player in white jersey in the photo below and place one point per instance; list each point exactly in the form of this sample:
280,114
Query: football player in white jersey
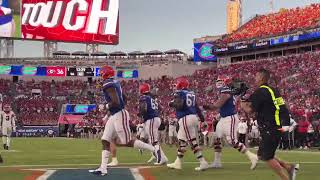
7,124
172,130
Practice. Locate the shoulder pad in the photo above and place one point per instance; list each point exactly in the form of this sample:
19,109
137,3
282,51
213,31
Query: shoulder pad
225,90
108,83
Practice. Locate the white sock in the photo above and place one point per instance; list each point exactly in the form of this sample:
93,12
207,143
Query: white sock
250,154
114,159
104,159
8,141
217,157
4,140
178,160
162,154
141,145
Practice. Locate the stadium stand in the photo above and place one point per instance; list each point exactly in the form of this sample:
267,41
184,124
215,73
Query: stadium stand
283,22
45,108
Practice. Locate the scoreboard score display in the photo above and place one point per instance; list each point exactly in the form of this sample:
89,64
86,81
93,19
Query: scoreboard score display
81,71
62,71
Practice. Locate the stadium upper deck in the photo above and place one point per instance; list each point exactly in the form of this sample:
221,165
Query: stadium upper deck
283,22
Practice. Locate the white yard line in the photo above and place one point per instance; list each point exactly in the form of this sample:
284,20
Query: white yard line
136,174
46,175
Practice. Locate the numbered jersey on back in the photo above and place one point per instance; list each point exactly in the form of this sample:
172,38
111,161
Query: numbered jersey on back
229,107
152,107
7,119
189,103
111,83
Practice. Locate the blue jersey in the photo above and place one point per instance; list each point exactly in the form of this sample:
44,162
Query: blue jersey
229,107
111,83
189,103
152,107
8,18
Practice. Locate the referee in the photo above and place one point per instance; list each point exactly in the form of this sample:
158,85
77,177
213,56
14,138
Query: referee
273,119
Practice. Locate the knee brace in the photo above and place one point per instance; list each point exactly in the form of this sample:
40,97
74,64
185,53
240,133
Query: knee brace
194,145
182,148
240,147
217,145
155,143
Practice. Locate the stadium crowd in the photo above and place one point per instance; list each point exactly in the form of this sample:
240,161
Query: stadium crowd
284,21
297,75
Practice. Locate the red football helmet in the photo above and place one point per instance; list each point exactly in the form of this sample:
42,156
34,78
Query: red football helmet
144,88
6,108
223,81
182,83
107,72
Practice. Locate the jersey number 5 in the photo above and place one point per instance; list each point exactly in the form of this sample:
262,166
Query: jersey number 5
7,118
191,100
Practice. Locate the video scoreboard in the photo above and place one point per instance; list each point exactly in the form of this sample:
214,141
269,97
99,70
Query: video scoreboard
61,71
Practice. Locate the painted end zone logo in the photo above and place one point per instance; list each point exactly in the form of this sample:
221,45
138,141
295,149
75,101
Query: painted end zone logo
88,21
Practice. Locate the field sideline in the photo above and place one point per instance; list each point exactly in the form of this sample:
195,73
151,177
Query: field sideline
60,153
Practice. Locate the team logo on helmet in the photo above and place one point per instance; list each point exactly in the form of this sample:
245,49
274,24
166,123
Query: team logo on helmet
182,83
107,72
222,81
144,88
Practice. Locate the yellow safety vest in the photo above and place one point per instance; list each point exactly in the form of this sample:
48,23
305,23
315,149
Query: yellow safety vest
277,103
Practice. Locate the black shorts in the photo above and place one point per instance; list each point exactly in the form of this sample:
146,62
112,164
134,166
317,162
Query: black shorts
268,145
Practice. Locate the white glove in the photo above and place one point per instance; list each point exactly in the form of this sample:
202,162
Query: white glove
291,129
284,128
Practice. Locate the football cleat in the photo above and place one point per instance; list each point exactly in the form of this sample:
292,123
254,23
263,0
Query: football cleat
293,171
163,161
216,165
99,171
203,166
254,161
175,165
4,146
113,163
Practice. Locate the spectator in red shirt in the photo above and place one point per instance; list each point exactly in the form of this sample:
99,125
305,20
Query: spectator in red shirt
303,125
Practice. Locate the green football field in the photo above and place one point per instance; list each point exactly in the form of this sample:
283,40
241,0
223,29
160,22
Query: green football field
30,158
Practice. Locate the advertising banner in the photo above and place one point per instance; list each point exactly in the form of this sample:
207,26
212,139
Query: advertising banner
37,131
83,21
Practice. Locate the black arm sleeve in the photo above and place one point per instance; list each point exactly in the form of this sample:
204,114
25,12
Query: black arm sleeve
256,100
125,99
200,114
142,108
